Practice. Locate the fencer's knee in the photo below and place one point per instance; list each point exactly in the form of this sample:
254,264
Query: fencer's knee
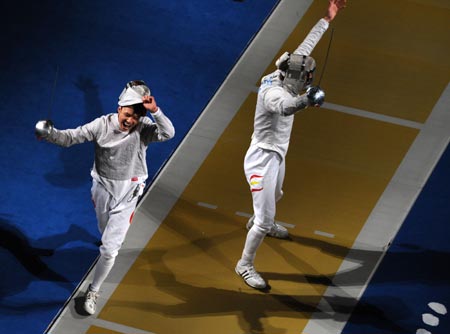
108,254
262,227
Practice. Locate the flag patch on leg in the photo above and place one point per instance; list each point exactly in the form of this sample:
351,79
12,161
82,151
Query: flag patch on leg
256,182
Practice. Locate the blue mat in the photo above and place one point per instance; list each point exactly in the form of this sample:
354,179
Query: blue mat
182,49
415,271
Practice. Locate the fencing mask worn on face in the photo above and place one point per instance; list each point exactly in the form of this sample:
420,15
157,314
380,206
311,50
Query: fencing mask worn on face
133,93
299,71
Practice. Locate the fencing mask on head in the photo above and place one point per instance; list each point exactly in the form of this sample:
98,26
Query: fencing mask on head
299,71
133,93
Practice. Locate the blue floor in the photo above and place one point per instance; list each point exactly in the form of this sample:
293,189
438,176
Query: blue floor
182,49
416,269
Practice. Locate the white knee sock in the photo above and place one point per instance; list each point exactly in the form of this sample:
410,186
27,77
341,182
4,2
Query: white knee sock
102,270
254,239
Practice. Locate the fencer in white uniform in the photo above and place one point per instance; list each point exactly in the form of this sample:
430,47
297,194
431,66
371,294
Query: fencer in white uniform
281,95
120,169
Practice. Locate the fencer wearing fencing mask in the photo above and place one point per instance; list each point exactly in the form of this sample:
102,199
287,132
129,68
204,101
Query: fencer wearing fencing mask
298,71
133,93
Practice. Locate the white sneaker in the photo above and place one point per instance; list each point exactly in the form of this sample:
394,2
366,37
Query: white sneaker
277,231
250,276
91,301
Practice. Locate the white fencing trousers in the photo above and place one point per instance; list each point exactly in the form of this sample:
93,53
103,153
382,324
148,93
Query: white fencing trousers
252,242
264,171
114,218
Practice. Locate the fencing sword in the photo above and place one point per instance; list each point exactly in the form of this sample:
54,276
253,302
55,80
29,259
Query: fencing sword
314,93
326,57
52,96
43,128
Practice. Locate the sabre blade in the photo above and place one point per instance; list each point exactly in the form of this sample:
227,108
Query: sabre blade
53,93
326,57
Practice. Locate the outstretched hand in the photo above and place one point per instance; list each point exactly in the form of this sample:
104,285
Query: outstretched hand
334,6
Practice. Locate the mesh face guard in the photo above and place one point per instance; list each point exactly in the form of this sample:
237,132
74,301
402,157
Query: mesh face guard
133,93
299,73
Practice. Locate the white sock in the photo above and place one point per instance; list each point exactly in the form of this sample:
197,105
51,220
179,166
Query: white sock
102,270
254,239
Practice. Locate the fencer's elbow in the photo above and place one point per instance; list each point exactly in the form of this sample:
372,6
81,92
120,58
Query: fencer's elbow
167,135
171,134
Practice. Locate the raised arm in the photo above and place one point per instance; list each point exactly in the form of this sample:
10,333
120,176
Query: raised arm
314,36
162,129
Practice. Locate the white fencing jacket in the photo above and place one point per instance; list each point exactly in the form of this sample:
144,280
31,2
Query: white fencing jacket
119,155
275,107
